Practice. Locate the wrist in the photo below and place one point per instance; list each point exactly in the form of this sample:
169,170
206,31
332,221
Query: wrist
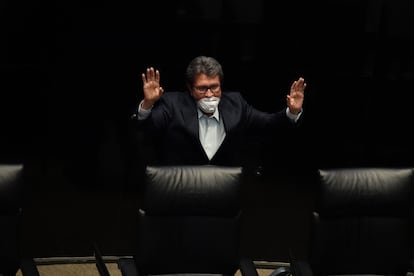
294,111
146,104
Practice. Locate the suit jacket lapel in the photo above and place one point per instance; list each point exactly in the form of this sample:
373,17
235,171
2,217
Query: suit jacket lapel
190,118
228,113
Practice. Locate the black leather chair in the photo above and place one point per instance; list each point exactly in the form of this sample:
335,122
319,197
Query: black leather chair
362,223
189,223
11,192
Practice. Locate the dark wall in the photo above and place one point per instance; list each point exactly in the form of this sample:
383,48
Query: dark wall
70,76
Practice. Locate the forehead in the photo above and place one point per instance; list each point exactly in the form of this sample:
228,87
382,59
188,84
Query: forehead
202,79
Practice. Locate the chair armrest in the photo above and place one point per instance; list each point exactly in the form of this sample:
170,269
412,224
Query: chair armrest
28,267
281,271
247,267
301,268
100,263
128,267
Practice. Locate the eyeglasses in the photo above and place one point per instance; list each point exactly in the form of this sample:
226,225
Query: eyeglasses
203,89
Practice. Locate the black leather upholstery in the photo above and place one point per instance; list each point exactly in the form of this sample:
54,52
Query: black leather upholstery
365,192
11,189
361,224
192,190
190,222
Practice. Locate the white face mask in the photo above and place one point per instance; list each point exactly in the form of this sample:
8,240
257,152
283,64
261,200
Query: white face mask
208,105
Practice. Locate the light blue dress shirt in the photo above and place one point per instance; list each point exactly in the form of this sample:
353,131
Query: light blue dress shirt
211,132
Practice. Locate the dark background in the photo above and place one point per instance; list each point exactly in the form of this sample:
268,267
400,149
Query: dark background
70,78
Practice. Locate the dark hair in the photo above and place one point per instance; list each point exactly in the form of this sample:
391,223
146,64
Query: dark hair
203,65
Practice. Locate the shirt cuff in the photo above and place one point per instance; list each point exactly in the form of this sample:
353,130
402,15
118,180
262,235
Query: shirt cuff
291,116
143,113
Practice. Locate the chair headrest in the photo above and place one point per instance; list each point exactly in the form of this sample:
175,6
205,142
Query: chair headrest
192,190
365,190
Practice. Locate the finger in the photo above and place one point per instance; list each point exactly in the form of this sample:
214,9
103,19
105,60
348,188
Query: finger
300,85
148,74
301,81
151,73
157,75
293,86
144,79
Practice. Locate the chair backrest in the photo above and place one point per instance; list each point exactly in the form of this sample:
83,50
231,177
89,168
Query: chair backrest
189,221
11,181
361,224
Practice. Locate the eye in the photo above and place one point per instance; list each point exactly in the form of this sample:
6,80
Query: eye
214,88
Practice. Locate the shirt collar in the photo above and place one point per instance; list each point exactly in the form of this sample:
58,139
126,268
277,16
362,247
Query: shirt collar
215,114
